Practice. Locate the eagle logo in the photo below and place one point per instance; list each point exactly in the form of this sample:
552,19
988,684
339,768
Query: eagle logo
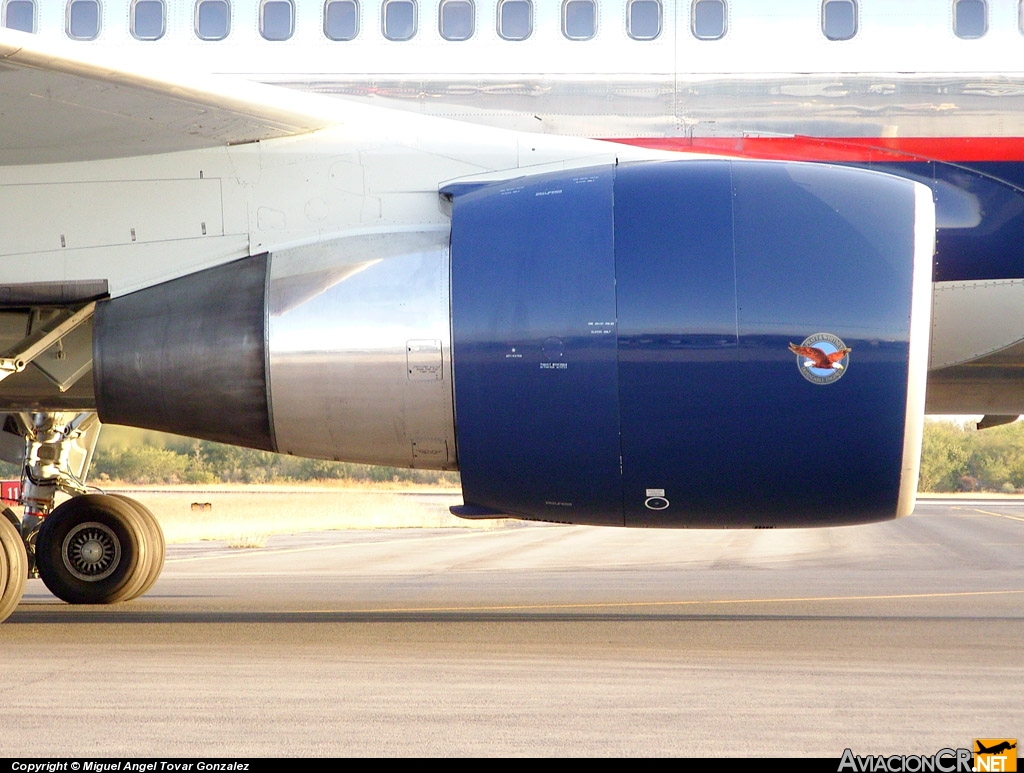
822,358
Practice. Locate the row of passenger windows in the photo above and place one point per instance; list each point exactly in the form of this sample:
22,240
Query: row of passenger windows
456,19
399,18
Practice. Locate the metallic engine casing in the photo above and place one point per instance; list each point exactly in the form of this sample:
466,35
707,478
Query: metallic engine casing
359,350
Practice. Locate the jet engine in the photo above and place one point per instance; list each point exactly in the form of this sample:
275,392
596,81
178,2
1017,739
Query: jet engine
681,344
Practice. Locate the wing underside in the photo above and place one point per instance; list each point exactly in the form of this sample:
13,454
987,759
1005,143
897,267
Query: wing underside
58,106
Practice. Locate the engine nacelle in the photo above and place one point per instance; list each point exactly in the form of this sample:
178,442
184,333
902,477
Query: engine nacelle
659,344
699,344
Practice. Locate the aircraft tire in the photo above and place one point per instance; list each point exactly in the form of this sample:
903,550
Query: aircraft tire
93,549
13,568
157,543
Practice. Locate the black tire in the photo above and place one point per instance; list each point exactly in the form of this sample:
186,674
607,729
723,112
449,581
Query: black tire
13,568
157,543
92,550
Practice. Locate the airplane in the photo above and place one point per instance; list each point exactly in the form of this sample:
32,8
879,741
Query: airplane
1002,746
563,247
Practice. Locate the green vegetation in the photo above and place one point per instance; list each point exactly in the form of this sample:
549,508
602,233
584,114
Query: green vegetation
144,457
958,457
204,462
955,457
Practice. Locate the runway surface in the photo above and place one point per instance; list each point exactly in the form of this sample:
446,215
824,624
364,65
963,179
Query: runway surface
898,638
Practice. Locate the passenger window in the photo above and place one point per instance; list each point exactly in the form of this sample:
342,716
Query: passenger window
708,20
515,19
643,19
148,19
579,19
20,15
457,19
277,19
213,19
398,19
839,19
970,18
83,19
341,19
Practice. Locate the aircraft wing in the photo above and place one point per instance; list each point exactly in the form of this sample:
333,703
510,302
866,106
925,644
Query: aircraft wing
59,104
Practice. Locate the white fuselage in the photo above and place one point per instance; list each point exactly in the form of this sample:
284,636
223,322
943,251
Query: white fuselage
904,73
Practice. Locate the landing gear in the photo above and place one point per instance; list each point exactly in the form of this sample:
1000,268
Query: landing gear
98,549
93,548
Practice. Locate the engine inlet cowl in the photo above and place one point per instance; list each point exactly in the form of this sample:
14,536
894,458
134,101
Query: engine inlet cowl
707,343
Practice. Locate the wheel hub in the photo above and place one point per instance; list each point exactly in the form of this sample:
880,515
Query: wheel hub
91,551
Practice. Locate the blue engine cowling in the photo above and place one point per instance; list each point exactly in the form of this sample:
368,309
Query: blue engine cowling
622,344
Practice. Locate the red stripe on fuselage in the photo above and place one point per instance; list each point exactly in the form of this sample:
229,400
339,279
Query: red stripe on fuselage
856,149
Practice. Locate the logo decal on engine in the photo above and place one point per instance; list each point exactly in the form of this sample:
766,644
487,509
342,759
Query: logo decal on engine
822,358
